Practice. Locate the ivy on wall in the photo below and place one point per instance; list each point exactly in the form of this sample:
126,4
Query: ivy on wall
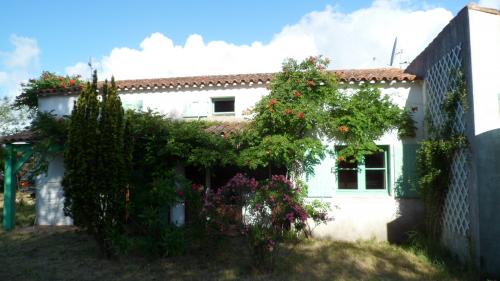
436,153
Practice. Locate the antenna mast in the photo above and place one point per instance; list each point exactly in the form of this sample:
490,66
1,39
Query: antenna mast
393,54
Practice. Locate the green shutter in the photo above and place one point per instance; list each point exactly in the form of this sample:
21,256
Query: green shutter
406,185
321,183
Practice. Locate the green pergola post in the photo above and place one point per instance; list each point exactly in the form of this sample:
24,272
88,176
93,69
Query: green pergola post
12,166
9,190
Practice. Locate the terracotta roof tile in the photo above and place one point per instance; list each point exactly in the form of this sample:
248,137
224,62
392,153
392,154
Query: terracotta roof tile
346,76
226,128
24,136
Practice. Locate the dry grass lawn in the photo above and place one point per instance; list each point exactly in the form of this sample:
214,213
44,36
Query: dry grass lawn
68,254
65,253
25,209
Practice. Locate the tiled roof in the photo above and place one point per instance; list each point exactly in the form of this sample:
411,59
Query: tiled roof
226,128
24,136
473,6
223,129
346,76
374,74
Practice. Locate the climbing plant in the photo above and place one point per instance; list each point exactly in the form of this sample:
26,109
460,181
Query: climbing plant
436,153
305,107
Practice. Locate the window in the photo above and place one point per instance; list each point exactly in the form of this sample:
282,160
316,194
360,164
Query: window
368,175
135,105
223,106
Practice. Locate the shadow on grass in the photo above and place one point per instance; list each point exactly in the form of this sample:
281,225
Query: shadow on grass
68,254
335,260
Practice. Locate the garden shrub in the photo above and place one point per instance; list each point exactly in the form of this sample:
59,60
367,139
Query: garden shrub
275,211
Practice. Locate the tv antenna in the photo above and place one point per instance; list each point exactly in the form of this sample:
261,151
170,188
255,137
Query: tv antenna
393,53
90,65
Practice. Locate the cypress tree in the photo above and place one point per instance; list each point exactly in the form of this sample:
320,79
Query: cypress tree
95,164
80,158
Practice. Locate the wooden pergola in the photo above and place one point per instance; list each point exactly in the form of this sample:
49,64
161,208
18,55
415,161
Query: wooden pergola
18,150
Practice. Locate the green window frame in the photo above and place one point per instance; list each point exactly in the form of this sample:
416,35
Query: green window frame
369,176
223,102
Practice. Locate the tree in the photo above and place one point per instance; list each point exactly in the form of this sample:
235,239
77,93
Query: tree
305,108
12,120
95,162
287,122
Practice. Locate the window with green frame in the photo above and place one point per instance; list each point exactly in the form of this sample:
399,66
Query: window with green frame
223,106
369,175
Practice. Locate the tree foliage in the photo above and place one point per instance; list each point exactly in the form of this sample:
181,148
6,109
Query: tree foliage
305,108
95,164
12,120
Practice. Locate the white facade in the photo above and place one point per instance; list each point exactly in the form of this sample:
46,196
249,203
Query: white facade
356,216
186,103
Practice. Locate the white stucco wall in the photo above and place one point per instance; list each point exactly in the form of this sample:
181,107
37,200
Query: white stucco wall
174,103
485,64
484,193
50,195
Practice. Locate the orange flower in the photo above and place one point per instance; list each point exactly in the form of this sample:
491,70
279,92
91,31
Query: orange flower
71,82
272,102
300,115
311,83
297,94
343,129
341,159
288,111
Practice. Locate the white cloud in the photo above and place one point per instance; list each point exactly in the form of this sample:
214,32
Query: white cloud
26,52
495,4
18,65
363,38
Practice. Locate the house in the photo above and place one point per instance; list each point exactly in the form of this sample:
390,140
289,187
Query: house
379,199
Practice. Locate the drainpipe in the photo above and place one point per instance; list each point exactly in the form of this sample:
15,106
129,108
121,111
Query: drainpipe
177,212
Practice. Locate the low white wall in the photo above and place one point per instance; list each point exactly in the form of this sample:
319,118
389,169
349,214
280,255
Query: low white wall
383,218
50,195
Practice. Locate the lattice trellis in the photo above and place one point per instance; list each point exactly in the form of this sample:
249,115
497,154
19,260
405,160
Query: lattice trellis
439,80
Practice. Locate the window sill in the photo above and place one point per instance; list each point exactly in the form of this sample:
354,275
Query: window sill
223,114
381,192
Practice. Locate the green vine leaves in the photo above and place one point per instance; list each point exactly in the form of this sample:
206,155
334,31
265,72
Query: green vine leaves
436,153
306,106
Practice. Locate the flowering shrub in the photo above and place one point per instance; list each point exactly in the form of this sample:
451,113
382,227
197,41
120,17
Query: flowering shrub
223,205
274,210
47,80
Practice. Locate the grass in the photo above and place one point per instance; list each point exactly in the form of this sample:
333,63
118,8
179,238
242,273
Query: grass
65,253
25,209
57,253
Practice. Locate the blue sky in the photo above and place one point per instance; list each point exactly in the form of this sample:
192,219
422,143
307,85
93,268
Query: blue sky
61,35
